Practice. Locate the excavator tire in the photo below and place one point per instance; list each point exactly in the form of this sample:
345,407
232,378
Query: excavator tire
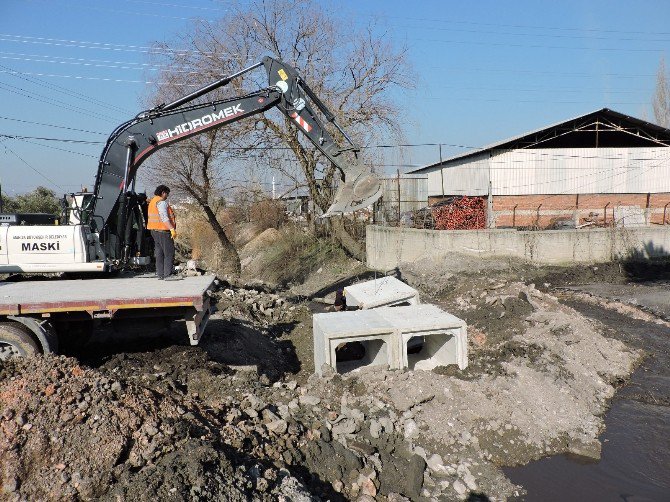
17,341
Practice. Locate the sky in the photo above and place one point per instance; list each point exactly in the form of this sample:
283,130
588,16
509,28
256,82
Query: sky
484,71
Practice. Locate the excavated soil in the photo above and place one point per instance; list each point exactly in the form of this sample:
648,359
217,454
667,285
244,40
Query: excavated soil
241,417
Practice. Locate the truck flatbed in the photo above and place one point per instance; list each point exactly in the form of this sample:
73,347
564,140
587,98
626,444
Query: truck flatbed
54,301
99,295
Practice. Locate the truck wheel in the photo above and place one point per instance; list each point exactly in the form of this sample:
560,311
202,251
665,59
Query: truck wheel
16,341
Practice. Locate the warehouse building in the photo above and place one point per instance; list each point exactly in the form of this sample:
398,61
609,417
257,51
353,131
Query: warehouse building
602,168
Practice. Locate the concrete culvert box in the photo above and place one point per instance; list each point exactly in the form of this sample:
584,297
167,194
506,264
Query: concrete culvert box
385,334
353,355
428,336
384,291
342,329
430,350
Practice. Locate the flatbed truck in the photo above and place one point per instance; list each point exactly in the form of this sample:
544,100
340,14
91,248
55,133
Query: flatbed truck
36,317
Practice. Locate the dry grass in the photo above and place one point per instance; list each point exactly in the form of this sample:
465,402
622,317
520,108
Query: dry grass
293,257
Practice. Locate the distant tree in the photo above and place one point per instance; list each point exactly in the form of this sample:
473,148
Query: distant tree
354,71
40,200
661,101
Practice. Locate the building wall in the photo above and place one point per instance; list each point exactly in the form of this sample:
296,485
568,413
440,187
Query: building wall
413,192
536,187
580,170
463,177
555,171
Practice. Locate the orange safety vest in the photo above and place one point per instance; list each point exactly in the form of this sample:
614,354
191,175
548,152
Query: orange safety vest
154,220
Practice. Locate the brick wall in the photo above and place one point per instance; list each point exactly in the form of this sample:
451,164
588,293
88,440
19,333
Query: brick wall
543,210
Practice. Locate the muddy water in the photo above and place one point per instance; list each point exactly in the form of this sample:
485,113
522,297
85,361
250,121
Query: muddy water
635,462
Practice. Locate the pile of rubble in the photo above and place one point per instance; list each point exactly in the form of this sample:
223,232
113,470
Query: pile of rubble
160,432
254,304
54,414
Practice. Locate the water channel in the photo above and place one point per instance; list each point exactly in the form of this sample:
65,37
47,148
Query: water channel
635,461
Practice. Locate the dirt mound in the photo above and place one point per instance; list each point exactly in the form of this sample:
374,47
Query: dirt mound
245,232
70,432
287,257
258,245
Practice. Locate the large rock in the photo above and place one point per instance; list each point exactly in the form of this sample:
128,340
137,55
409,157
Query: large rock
403,475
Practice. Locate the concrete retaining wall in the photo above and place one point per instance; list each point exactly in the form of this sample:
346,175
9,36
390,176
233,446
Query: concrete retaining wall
387,247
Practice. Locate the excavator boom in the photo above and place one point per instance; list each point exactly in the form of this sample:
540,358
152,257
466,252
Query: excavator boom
111,203
134,141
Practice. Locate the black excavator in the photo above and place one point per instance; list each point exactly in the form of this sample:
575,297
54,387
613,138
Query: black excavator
104,230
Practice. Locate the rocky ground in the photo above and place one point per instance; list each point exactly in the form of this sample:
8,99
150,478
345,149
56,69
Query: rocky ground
241,417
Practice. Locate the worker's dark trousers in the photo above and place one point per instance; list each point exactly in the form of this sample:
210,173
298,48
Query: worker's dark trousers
164,252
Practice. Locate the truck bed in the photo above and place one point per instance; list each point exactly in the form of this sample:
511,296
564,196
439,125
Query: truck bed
102,295
41,305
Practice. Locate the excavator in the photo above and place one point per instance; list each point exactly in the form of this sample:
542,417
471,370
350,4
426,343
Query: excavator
104,230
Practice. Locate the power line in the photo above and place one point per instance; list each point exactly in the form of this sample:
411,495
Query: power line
107,46
551,156
54,102
129,66
62,140
52,125
61,149
63,90
20,55
7,148
525,26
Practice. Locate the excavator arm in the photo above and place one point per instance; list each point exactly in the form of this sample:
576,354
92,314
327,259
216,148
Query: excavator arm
136,140
359,187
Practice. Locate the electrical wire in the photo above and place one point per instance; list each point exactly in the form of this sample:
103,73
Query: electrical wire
62,90
62,140
5,37
97,65
61,149
52,125
7,148
54,102
20,55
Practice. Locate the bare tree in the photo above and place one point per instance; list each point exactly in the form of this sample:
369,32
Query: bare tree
193,167
661,101
353,71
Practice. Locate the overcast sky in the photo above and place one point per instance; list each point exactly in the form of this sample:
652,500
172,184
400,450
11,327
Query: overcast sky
485,71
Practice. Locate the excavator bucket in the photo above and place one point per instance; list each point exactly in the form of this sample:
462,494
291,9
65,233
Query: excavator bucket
359,190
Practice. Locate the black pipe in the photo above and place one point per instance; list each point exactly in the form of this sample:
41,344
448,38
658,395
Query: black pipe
206,89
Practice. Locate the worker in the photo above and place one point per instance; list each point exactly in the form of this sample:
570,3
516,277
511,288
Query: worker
162,223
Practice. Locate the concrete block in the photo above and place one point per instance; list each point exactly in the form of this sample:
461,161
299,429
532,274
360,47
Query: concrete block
334,329
387,333
428,336
385,291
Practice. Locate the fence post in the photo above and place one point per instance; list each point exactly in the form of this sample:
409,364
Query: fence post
647,211
490,220
398,197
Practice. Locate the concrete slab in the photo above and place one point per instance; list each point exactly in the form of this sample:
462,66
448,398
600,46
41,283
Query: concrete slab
387,332
384,291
